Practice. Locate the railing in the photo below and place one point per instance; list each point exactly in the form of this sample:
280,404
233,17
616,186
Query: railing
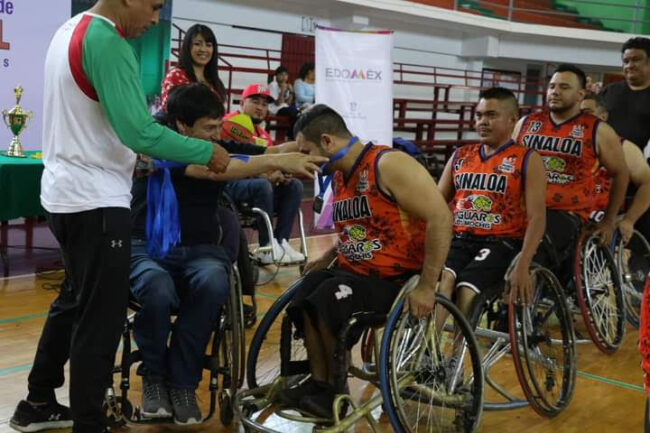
436,121
629,16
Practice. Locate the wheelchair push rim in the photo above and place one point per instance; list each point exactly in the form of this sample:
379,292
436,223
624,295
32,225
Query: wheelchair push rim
429,376
633,262
599,293
543,345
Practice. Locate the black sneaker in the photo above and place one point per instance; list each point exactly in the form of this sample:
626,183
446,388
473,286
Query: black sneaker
155,398
186,409
30,418
291,397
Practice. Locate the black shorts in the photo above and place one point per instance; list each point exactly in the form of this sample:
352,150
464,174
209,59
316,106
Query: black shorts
335,295
558,247
481,264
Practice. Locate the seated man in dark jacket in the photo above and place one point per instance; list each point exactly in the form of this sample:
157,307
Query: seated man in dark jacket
187,274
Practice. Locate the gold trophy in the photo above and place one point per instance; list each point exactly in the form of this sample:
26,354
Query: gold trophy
16,121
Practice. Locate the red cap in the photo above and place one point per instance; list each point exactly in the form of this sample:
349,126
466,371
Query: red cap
257,89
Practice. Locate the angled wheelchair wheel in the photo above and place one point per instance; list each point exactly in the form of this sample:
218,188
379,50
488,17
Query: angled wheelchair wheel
231,349
599,292
430,375
633,262
543,345
276,337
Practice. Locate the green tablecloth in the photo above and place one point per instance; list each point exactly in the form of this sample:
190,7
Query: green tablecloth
20,187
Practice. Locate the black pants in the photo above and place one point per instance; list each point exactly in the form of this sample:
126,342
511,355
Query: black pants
85,321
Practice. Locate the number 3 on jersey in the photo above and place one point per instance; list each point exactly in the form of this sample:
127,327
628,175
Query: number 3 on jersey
482,255
344,292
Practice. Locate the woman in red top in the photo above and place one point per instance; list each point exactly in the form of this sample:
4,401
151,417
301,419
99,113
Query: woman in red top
197,63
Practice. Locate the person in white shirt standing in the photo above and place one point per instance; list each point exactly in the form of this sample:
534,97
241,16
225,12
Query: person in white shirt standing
95,119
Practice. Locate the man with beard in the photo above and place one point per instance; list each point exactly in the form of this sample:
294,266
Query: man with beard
572,144
273,191
638,201
628,104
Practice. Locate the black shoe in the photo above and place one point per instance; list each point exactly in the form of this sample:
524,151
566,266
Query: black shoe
291,397
31,418
319,404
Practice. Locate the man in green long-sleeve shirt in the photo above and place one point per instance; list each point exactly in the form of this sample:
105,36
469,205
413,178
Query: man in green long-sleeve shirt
94,120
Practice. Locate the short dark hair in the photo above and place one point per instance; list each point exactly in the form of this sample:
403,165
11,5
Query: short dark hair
568,67
320,119
304,69
280,69
598,99
638,43
191,102
501,94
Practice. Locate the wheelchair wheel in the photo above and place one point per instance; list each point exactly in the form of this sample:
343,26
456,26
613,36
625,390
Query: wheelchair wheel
600,295
633,262
543,345
431,379
231,345
276,337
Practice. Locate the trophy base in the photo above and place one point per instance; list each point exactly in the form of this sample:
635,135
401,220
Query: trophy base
12,155
15,149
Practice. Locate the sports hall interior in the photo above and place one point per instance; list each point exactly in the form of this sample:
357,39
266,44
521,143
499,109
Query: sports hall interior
444,53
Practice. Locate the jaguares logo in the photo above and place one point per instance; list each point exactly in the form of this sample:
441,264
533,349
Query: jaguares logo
475,211
555,167
355,246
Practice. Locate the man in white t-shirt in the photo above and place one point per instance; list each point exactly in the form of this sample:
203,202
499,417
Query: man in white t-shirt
95,119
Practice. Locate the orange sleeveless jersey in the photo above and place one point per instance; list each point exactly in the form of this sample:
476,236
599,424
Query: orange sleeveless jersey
490,190
376,237
569,153
602,185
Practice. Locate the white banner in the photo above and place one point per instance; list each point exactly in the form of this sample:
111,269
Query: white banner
26,28
354,76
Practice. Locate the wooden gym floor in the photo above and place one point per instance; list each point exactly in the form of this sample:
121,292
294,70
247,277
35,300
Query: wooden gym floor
608,396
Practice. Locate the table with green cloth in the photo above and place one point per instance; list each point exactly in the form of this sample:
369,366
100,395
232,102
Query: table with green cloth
20,186
20,191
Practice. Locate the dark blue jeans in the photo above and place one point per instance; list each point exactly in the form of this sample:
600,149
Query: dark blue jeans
192,282
283,199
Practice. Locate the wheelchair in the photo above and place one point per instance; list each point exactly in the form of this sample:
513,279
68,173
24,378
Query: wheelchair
633,263
539,337
592,287
225,362
248,218
429,377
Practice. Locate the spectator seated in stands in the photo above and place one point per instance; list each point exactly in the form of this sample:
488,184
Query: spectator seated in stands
197,63
283,95
305,87
274,191
189,276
